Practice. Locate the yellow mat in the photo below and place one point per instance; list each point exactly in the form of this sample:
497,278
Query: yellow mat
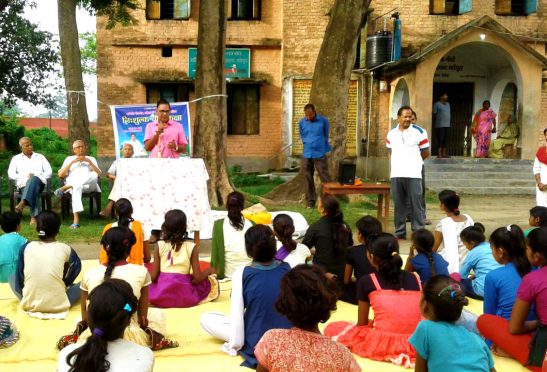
36,350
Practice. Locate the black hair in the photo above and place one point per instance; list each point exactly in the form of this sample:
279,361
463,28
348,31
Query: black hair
162,101
9,221
403,108
234,204
124,211
48,224
341,234
511,240
283,227
306,296
414,114
309,106
473,234
385,249
111,305
537,241
117,242
260,243
423,240
545,131
486,101
446,298
451,201
540,213
174,227
368,226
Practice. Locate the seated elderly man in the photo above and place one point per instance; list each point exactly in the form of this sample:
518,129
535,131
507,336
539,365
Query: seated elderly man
127,152
82,175
507,137
30,171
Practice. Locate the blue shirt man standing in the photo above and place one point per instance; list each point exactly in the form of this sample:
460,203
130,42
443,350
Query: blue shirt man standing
314,132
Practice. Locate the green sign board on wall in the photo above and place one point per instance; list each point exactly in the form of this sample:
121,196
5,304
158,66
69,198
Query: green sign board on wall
237,65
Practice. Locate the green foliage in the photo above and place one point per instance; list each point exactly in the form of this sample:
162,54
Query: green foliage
27,57
116,11
240,179
10,131
88,51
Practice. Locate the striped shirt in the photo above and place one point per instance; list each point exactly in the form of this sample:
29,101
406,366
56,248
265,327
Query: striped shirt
406,147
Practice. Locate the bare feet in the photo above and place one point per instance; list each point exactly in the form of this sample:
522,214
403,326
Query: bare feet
32,221
499,352
20,207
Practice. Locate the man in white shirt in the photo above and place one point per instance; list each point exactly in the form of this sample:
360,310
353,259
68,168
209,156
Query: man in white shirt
127,152
408,146
82,174
31,172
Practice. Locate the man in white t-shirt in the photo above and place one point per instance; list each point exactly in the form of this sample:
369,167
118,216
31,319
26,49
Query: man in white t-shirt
408,146
82,174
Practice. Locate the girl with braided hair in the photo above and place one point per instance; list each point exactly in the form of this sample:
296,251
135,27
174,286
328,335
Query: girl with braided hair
441,344
288,249
147,326
177,279
422,259
111,306
394,296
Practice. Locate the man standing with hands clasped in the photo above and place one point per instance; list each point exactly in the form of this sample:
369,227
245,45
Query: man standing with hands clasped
314,132
164,138
408,146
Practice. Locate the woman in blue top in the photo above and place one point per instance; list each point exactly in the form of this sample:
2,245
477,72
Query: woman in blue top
425,262
255,289
10,245
479,259
500,285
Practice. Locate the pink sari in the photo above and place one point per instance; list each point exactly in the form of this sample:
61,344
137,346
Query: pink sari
484,131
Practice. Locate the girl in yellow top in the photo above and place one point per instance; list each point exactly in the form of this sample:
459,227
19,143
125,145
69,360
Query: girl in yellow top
140,251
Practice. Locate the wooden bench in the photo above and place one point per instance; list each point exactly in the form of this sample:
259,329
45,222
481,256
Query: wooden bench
381,189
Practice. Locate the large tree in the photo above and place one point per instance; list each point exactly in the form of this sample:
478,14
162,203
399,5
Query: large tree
117,11
210,122
27,58
329,92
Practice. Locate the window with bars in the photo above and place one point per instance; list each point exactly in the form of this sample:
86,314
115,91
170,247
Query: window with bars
450,7
243,10
243,108
167,9
516,7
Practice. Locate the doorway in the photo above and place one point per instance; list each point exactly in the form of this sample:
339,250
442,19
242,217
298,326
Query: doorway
460,97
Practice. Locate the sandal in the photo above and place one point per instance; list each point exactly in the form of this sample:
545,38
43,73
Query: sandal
159,342
58,193
75,226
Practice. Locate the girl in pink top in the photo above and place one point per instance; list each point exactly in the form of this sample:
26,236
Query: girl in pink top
306,297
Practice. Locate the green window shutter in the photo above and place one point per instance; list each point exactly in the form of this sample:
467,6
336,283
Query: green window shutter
465,6
530,6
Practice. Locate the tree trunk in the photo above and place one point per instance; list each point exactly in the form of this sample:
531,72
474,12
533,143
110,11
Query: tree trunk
210,123
78,121
329,92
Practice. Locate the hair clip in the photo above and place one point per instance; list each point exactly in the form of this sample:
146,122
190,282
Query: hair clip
127,308
452,294
125,242
452,288
41,233
393,253
508,227
98,332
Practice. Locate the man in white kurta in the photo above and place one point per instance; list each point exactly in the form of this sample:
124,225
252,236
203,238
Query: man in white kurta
82,175
30,172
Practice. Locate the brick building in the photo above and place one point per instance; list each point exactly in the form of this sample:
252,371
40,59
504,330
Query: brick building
493,51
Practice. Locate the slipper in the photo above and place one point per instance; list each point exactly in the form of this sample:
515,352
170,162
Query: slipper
18,210
75,226
58,193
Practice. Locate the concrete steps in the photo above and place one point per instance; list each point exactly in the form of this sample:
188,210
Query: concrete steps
480,176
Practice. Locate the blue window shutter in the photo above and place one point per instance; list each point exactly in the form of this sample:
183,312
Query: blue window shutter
530,6
181,9
465,6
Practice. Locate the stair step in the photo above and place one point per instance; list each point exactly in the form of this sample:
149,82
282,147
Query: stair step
461,175
497,190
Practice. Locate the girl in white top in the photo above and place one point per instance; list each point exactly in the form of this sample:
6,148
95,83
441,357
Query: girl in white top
448,230
111,305
288,250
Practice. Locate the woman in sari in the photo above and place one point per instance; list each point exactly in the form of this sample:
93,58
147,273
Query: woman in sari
484,124
540,174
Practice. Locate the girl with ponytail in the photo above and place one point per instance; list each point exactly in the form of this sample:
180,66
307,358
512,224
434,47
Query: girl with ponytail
111,305
440,343
394,296
228,243
331,237
288,249
140,251
147,326
448,230
422,259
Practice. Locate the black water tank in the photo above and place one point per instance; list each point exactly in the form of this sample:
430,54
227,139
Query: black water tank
379,48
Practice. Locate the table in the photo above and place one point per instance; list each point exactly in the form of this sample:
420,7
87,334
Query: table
157,185
381,189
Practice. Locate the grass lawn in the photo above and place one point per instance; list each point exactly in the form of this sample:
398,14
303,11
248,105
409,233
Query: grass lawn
91,228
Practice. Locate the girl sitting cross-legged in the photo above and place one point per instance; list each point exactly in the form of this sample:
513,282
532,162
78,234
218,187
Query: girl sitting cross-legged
422,259
288,249
394,296
177,280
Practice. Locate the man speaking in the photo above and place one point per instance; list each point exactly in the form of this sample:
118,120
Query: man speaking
164,138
